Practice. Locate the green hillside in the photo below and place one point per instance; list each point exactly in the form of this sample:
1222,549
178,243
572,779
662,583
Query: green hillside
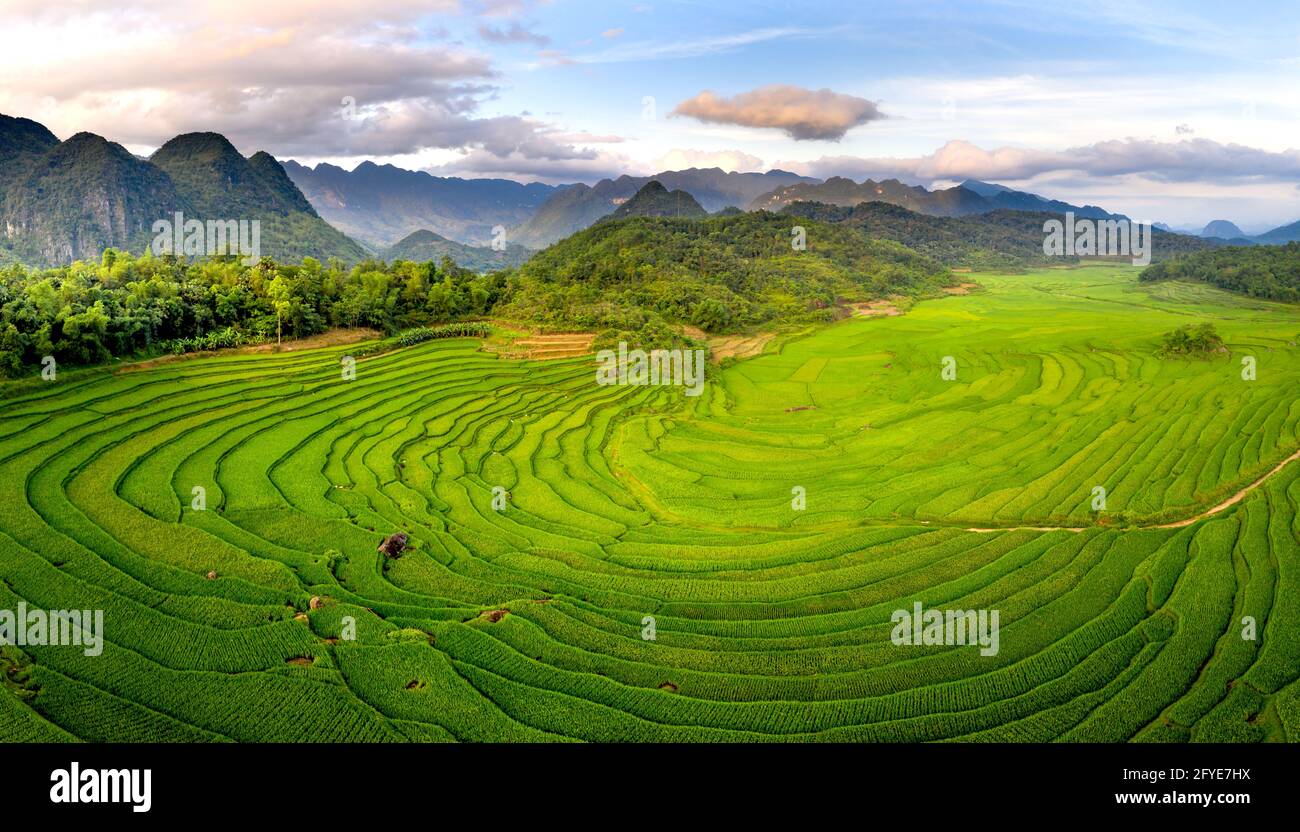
994,240
219,184
80,197
21,140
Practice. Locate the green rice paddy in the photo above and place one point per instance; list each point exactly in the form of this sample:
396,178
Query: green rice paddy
623,504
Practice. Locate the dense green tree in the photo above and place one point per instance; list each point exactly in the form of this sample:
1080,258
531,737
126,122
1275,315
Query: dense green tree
1199,339
651,275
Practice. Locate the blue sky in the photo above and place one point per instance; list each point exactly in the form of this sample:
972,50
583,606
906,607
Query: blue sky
1181,112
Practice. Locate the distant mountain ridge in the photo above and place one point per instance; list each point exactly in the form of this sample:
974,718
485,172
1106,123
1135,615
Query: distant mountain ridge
579,206
1281,234
381,204
424,245
1225,231
970,197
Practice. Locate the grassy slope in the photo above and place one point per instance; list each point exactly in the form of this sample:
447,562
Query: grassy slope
623,504
1058,364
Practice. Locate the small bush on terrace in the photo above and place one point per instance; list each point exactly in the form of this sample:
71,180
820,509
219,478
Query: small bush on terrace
1200,339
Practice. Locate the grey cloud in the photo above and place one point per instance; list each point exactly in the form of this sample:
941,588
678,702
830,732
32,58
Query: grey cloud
594,167
274,81
513,34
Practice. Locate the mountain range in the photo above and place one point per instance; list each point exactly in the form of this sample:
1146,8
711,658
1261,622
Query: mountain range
970,197
67,200
1282,234
576,207
424,245
380,204
1228,232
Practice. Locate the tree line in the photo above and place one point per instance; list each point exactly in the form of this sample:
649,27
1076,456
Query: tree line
1271,272
122,306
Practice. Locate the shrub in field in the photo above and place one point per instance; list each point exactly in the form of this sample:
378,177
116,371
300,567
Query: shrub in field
218,339
462,329
1193,339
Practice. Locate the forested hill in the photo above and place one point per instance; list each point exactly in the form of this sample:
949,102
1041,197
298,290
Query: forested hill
21,138
1000,239
218,182
71,200
1271,272
654,200
995,240
645,276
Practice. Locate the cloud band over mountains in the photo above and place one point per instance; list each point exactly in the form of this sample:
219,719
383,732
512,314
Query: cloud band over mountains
1188,160
295,78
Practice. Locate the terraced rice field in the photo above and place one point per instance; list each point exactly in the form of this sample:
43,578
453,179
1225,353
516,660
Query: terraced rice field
622,503
548,347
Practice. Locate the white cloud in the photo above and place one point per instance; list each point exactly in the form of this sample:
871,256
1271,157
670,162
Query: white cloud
695,47
801,113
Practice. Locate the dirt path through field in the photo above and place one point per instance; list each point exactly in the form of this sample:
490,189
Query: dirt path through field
338,336
1177,524
874,309
738,346
1234,499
